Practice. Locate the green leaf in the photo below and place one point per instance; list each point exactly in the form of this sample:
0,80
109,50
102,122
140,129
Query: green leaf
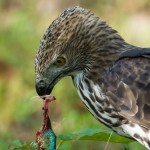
126,147
24,147
95,134
17,145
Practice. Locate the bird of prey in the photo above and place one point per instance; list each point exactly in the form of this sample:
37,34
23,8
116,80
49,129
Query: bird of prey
112,77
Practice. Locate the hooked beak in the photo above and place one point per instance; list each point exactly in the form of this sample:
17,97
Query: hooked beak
45,87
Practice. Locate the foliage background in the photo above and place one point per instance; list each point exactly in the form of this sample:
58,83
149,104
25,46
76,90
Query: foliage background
22,24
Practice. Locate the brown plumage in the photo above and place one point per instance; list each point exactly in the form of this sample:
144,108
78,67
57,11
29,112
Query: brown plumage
112,77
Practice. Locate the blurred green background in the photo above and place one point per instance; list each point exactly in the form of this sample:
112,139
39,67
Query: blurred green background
22,24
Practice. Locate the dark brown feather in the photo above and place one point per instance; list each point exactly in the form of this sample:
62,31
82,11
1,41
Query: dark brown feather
128,87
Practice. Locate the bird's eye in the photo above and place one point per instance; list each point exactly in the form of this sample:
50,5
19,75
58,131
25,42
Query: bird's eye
60,61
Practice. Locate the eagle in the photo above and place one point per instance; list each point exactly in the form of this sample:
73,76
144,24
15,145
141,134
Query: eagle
112,77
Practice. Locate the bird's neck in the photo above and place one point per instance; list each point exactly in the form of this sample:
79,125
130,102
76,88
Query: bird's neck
101,59
104,57
102,43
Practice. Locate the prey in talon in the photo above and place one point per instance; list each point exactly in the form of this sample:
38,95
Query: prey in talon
45,137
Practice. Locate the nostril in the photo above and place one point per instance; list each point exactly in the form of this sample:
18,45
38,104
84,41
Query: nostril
41,83
40,87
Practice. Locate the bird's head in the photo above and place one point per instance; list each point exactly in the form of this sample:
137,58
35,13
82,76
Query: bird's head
68,46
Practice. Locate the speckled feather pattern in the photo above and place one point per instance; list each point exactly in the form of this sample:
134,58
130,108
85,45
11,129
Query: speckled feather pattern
57,35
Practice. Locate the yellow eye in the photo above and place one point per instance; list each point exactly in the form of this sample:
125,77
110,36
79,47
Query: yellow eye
60,61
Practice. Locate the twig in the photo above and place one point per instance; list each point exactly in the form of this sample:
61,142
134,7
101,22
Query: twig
108,141
59,144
